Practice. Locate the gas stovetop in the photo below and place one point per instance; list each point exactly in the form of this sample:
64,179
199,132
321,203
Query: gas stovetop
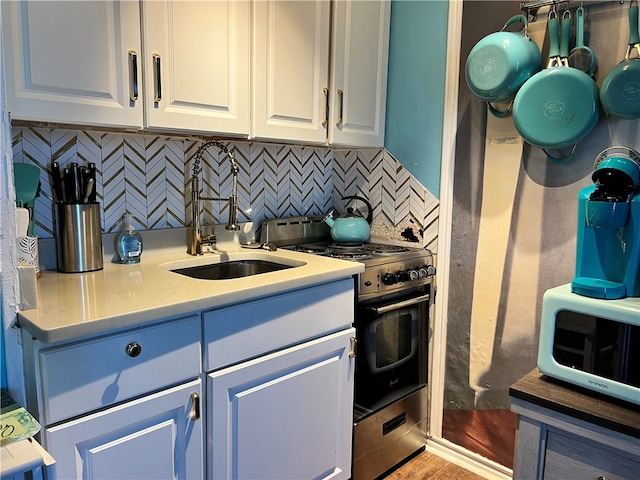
350,251
388,268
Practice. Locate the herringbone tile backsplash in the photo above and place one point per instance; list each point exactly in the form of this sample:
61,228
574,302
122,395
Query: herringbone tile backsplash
148,176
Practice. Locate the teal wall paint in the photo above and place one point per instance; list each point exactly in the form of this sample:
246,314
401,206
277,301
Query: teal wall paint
415,88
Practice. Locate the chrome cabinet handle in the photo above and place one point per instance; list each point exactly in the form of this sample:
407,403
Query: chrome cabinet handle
405,303
195,406
133,75
341,98
354,347
133,349
326,106
157,77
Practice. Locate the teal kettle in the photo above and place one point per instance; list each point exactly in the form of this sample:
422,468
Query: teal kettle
350,227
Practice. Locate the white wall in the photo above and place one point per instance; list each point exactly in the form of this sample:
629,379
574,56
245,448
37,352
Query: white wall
12,352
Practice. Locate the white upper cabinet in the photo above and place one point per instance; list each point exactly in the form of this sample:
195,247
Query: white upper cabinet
360,49
311,71
290,68
82,63
293,96
73,62
197,65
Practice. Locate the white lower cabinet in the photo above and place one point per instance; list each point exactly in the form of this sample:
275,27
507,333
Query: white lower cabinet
286,415
277,403
157,436
122,405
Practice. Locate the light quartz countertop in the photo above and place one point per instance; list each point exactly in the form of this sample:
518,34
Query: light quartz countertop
72,306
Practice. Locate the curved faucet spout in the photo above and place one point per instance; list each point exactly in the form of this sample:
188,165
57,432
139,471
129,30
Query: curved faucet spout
195,240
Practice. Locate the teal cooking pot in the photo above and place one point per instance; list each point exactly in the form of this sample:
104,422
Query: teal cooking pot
350,227
558,106
620,90
500,63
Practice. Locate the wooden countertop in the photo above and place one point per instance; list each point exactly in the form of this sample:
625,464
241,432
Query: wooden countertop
578,402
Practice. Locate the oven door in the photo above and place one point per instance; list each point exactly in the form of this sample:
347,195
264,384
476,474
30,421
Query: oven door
392,350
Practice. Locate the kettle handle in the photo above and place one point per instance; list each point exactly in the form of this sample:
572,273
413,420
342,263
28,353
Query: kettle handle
366,202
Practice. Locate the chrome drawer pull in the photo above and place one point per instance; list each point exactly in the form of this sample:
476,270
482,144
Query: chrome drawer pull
326,106
133,71
341,97
158,82
133,349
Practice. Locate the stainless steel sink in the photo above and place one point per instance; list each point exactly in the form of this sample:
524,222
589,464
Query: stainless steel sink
231,269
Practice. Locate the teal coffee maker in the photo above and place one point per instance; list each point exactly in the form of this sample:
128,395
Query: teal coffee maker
608,243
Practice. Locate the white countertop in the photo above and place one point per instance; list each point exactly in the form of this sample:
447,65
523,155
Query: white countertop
77,305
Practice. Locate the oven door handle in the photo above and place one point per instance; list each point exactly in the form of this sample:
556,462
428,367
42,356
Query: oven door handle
394,306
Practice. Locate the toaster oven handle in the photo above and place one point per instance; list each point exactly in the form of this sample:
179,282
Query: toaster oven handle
394,306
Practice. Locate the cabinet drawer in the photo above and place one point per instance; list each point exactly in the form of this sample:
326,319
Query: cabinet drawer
250,329
569,456
85,376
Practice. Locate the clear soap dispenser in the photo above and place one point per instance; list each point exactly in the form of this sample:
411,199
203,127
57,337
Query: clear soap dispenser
129,243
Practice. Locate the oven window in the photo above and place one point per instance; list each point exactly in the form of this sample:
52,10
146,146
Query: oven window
393,340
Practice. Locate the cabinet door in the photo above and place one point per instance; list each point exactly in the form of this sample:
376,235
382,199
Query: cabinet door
570,456
290,69
360,49
157,436
197,65
73,62
287,415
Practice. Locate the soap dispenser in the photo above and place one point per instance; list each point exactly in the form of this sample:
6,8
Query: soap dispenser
129,243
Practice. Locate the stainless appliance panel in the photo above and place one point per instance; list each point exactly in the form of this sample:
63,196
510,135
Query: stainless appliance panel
389,436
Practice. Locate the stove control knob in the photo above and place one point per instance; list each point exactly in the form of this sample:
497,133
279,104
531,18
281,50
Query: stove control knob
413,274
431,270
422,273
389,279
403,276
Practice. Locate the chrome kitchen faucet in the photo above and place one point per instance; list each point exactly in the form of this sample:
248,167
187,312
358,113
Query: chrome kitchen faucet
195,239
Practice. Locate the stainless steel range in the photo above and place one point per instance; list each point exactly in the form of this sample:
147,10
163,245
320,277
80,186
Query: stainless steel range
393,299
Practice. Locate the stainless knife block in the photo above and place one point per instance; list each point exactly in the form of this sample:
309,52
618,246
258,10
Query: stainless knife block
79,237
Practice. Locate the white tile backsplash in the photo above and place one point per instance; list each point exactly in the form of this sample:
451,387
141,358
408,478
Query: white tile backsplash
148,176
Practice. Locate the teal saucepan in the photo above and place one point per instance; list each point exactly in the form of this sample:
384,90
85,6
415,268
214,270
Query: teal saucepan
558,106
501,62
620,90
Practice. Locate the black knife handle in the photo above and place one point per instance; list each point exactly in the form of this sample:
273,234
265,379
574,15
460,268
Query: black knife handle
75,175
57,182
92,174
69,186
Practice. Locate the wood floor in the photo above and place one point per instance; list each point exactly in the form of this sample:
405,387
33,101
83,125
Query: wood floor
490,433
427,465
